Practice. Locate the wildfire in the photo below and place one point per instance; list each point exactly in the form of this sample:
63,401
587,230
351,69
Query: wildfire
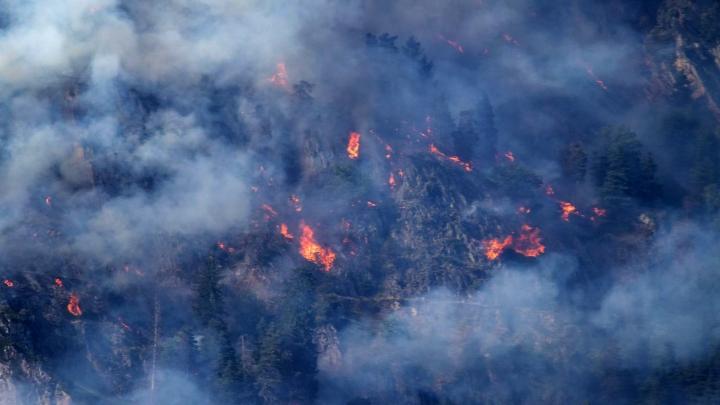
59,282
509,156
391,180
312,251
528,243
280,78
73,305
353,147
285,233
567,210
523,210
9,283
494,247
454,159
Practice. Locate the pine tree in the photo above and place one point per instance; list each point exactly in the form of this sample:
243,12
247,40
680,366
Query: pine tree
573,161
466,137
488,134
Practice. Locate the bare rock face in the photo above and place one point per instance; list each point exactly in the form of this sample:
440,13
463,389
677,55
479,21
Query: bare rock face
683,59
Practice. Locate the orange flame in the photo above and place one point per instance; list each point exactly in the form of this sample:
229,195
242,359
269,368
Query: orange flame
353,147
58,282
73,305
285,233
495,247
9,283
280,78
567,210
528,243
454,159
312,251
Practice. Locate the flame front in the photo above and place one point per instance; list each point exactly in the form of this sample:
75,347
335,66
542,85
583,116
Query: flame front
528,243
285,233
312,251
58,282
454,159
495,247
9,283
353,147
73,305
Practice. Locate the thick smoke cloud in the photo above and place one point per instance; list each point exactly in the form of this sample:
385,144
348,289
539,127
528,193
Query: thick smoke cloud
524,321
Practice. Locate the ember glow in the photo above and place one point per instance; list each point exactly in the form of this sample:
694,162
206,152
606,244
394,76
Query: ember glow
600,212
9,283
312,251
353,146
59,282
295,202
456,45
269,211
454,159
280,78
509,156
597,80
528,242
73,305
391,180
285,232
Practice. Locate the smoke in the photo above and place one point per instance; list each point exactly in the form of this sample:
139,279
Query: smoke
140,139
526,335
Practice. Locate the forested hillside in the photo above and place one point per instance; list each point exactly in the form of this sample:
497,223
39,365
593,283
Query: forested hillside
359,202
